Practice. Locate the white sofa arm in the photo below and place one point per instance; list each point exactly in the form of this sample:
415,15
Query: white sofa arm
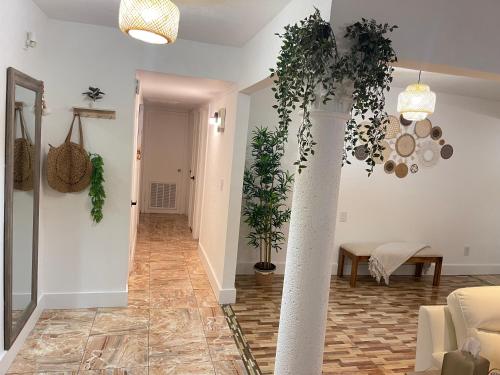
435,336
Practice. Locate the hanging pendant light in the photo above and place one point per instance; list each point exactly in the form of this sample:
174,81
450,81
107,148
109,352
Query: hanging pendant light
152,21
417,101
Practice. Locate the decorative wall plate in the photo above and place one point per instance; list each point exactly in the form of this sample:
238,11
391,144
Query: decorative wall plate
393,127
404,121
401,170
414,168
428,154
405,145
436,133
361,152
389,166
423,128
446,151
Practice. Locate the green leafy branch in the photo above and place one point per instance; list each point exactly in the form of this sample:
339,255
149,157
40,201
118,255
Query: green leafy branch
96,193
309,64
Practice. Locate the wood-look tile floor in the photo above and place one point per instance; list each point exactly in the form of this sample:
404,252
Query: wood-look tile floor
172,325
371,329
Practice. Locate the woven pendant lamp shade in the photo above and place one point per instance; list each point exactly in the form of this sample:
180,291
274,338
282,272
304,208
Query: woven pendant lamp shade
416,102
152,21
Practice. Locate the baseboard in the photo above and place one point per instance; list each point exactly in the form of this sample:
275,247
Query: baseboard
8,356
224,296
246,268
84,300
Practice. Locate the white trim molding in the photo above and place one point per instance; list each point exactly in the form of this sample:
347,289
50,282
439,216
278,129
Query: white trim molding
224,296
246,268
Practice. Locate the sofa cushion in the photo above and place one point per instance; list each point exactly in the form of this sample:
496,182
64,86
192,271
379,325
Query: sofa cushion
476,313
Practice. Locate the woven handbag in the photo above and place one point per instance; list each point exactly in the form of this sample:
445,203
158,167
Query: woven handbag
23,156
69,168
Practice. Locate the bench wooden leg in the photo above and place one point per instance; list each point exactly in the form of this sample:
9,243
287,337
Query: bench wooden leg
437,272
419,267
340,266
354,271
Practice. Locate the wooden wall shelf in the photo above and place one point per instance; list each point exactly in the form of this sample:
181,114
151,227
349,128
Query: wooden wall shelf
94,113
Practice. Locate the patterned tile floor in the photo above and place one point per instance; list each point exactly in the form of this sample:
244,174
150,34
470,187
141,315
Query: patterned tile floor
371,329
173,324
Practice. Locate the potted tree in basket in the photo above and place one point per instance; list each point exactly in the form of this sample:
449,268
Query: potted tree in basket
265,189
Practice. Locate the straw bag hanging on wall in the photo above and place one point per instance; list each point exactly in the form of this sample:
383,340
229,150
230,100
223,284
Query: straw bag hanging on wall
23,156
69,168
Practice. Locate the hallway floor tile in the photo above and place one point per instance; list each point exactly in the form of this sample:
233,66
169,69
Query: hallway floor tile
173,324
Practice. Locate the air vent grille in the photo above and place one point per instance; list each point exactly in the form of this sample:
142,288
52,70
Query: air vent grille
163,196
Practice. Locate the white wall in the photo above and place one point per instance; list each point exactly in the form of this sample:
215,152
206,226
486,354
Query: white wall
165,152
78,252
18,17
450,33
451,205
223,176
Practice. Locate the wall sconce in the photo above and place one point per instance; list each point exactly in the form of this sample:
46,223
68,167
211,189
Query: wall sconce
219,119
31,41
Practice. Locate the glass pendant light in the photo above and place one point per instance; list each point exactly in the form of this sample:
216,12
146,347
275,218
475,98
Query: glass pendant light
417,101
152,21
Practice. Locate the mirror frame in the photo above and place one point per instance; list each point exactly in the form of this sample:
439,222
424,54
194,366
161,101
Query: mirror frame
17,78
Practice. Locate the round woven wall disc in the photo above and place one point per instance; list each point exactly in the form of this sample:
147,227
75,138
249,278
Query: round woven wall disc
389,166
447,151
404,121
428,154
361,152
414,168
393,128
442,142
423,128
401,170
405,145
436,133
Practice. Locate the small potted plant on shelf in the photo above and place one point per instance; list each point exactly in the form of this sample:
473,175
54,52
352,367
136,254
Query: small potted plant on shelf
265,190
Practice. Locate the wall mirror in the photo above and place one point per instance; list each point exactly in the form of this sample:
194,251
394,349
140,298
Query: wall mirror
22,190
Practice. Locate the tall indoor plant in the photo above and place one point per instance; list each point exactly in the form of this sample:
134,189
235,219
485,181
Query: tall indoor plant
310,67
265,189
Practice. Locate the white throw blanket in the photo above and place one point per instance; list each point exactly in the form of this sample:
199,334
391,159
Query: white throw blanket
386,258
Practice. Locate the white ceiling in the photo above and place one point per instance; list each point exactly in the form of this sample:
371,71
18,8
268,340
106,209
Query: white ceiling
227,22
183,93
450,84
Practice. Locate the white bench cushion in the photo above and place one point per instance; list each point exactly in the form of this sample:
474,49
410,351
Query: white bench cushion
476,313
366,249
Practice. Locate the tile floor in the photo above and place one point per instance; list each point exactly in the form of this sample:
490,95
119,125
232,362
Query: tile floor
173,324
371,329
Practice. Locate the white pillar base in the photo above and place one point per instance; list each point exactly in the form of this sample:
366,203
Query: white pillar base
310,247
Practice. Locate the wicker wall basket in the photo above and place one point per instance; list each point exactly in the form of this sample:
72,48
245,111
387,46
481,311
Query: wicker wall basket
23,156
69,168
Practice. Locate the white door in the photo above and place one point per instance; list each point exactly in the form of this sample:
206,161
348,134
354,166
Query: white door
166,162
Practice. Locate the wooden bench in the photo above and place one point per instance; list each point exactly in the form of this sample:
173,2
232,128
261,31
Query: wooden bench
361,252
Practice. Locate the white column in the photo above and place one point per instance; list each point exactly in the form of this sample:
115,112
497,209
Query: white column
310,249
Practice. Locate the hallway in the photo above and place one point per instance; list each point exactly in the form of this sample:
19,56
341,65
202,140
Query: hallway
173,324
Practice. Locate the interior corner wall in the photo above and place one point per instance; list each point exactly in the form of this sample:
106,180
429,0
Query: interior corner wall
450,206
260,53
221,207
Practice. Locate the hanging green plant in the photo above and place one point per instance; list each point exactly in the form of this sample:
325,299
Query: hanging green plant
310,68
96,193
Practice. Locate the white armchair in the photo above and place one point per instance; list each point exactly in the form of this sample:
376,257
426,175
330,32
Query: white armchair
469,312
